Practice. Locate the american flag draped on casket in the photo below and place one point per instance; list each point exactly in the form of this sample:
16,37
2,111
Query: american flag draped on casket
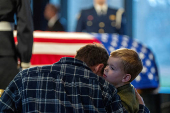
49,47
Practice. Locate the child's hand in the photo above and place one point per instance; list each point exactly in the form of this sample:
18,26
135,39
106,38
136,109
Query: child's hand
140,99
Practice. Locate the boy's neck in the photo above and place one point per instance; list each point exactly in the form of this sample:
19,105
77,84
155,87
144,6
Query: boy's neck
127,83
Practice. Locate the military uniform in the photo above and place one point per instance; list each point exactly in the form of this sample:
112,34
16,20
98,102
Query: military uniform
56,27
112,22
55,24
8,51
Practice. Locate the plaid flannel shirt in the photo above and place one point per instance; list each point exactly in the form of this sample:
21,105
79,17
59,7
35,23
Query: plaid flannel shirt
67,86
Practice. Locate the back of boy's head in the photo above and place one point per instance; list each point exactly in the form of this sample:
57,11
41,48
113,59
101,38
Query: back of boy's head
132,64
93,54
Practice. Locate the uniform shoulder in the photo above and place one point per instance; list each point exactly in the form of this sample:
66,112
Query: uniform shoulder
86,12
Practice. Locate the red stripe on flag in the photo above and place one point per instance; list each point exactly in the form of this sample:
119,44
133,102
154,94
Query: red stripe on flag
42,59
65,40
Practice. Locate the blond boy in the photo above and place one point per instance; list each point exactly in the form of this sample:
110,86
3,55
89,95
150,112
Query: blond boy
123,67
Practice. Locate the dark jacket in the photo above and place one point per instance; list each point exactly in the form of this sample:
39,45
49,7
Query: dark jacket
24,29
56,27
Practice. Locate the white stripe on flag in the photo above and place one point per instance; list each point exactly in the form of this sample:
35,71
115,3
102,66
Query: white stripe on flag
60,35
56,48
63,35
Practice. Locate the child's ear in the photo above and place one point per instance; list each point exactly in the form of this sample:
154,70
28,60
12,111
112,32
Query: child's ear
126,78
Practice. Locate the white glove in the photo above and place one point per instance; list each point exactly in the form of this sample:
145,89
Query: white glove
25,65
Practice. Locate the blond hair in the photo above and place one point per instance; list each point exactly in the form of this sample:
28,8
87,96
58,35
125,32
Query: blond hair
132,64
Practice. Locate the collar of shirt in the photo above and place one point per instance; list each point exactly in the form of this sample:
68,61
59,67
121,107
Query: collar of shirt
52,21
72,61
98,8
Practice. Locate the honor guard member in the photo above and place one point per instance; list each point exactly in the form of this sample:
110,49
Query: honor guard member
9,52
101,19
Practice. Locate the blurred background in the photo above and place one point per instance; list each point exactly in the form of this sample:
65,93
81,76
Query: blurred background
147,22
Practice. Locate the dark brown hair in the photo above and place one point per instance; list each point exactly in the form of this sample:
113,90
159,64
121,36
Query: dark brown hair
93,54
